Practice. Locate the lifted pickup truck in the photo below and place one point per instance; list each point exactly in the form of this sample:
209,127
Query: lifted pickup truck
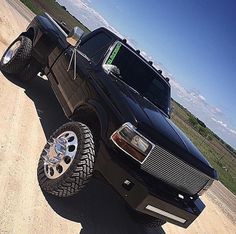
120,128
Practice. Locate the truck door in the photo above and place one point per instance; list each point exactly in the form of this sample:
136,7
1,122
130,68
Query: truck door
67,84
91,50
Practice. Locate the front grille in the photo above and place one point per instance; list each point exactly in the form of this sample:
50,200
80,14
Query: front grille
173,171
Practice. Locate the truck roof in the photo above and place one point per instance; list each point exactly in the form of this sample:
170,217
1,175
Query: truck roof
137,52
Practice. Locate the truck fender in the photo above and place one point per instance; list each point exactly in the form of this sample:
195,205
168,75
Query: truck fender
98,110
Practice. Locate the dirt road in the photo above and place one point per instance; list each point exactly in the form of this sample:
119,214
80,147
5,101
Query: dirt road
28,115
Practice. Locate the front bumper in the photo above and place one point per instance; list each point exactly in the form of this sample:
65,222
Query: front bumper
139,197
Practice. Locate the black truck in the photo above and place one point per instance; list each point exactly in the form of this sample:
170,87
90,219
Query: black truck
118,105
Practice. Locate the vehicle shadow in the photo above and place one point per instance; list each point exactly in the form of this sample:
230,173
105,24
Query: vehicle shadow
49,111
98,208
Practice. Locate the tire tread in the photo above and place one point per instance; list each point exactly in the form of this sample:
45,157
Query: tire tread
79,174
20,59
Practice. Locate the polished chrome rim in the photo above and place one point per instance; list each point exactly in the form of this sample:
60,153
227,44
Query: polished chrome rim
11,52
60,154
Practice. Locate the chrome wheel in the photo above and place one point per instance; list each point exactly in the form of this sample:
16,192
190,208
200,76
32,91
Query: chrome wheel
67,161
59,154
11,52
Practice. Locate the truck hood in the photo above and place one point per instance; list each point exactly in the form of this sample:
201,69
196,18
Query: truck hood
153,124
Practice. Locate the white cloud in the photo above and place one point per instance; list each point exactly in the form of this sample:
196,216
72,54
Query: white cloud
232,131
220,122
202,97
132,42
181,91
82,10
143,53
224,125
84,16
216,110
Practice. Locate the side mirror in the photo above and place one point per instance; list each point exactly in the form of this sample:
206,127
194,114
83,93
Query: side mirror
74,36
109,68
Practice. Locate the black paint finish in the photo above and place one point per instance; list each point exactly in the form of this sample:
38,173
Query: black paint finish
113,103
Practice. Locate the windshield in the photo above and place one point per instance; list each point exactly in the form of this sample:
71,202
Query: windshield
140,76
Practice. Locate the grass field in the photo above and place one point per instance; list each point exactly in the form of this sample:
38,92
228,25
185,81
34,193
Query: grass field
55,10
223,159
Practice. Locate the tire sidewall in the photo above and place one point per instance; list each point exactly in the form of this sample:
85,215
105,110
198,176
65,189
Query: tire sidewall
18,61
51,184
16,40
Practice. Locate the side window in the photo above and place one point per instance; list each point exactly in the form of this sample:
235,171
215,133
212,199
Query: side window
96,46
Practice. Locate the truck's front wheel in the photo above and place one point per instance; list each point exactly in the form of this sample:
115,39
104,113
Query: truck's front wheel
67,161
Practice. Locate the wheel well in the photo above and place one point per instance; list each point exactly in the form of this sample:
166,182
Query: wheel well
89,117
29,33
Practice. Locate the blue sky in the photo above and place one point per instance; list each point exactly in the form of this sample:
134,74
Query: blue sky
193,42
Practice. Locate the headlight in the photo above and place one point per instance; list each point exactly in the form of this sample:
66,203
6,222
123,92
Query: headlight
132,142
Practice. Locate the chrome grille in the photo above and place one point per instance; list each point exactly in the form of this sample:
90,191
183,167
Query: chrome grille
173,171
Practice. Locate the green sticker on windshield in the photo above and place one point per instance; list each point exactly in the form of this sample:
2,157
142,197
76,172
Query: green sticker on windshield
114,53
